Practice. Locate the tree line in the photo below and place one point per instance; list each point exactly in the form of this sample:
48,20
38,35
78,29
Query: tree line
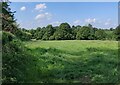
65,32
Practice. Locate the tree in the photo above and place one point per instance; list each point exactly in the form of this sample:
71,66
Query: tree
8,21
117,32
63,32
14,55
100,34
75,29
33,32
38,29
83,33
90,26
39,34
48,32
111,29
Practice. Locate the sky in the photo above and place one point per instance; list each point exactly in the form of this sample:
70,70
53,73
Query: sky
31,15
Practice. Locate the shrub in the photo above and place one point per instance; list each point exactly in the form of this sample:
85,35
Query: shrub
16,60
6,37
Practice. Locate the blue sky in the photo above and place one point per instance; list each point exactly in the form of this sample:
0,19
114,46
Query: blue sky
38,14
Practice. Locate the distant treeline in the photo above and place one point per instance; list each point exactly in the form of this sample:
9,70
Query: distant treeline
65,32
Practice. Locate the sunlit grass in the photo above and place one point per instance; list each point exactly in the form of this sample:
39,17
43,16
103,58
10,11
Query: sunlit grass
76,60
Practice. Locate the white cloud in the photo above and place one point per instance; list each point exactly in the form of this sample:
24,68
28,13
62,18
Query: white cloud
23,8
43,16
76,22
56,23
41,6
39,16
90,20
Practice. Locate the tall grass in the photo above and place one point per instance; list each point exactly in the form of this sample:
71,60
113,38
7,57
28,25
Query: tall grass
75,61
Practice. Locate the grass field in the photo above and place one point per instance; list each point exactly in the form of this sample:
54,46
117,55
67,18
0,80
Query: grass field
75,61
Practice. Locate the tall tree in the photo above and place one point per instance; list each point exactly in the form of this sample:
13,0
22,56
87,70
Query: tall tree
83,33
63,32
8,21
48,32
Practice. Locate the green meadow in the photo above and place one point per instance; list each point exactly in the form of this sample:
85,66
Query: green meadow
46,47
84,61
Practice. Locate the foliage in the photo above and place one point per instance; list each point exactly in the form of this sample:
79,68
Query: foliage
100,34
24,36
7,16
9,23
110,35
6,37
117,32
49,32
16,61
85,33
65,32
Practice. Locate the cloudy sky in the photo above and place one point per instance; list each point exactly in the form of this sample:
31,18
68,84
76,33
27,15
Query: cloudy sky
38,14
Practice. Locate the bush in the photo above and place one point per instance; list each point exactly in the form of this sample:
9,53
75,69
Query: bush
6,37
26,36
117,33
16,60
51,38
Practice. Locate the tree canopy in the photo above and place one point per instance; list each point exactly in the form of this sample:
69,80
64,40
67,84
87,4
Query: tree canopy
65,32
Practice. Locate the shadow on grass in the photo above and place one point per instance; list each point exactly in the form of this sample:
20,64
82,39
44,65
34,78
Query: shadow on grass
99,66
95,65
